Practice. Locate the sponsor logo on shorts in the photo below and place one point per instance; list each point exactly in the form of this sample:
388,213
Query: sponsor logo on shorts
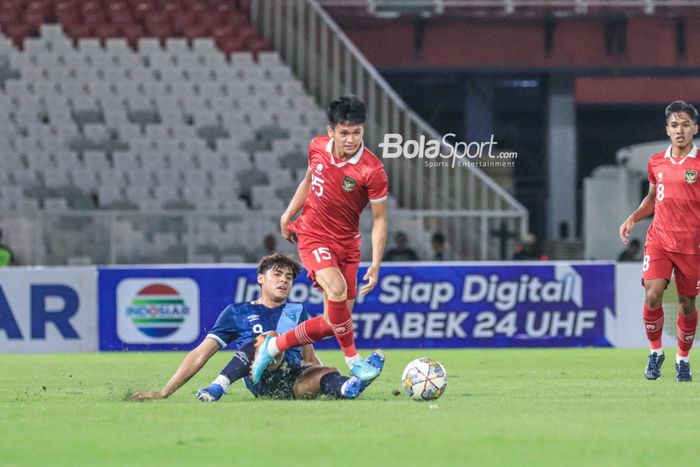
691,176
348,184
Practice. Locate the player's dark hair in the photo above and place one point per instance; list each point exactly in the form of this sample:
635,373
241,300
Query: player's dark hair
438,237
348,110
681,106
278,261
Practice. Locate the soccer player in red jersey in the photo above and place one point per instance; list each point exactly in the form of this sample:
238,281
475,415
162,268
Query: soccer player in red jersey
342,177
673,239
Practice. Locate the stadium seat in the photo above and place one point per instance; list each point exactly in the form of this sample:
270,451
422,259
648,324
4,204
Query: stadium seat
141,122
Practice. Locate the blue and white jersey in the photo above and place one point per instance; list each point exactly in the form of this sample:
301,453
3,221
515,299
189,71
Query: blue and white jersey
241,323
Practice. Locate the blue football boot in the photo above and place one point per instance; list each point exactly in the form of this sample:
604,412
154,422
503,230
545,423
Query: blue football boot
352,388
376,359
683,372
363,370
653,368
262,358
211,393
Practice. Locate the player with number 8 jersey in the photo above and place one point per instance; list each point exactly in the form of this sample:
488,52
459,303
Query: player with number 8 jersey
341,179
673,240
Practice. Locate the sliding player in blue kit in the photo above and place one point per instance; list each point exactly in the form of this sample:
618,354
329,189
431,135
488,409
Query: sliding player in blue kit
296,374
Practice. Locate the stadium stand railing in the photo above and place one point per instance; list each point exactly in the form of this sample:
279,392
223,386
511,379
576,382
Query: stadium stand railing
482,8
463,203
130,137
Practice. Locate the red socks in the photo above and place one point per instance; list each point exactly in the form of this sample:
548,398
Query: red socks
686,332
654,325
309,331
341,322
315,329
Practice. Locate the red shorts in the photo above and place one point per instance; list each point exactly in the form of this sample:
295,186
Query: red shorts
317,254
660,264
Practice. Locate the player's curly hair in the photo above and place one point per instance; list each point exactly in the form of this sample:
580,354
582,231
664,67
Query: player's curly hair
278,261
681,106
348,110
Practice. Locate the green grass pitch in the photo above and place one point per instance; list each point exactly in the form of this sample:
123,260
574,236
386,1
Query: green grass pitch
502,407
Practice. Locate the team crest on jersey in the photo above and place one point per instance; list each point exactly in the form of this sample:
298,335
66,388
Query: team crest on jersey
348,184
691,176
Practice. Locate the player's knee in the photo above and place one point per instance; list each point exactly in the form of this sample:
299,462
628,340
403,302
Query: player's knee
687,304
654,297
337,290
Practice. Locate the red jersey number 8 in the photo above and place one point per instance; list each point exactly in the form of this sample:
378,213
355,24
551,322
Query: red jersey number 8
645,262
660,192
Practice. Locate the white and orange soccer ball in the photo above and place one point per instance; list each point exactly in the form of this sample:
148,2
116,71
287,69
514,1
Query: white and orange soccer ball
424,379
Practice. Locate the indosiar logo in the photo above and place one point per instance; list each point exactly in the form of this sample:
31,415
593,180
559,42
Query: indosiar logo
158,311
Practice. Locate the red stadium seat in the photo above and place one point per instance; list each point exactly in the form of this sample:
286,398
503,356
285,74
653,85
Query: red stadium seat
156,18
143,8
33,20
7,17
247,32
121,17
78,30
183,20
230,44
197,7
17,32
244,5
196,32
107,31
38,8
9,5
160,31
226,21
257,44
170,6
132,33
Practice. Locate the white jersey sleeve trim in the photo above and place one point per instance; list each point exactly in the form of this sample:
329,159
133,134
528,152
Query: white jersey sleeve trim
378,200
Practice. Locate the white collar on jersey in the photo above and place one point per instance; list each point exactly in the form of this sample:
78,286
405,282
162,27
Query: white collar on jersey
693,153
353,160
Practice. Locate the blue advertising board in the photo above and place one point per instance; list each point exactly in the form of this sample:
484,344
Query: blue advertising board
452,305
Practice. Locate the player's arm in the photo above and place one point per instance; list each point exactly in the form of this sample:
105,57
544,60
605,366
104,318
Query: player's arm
193,362
645,209
295,206
308,356
379,228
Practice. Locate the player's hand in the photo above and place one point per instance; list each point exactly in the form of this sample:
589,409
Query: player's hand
625,230
147,395
284,230
371,278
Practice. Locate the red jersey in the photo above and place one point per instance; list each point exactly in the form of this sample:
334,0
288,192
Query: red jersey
676,224
339,191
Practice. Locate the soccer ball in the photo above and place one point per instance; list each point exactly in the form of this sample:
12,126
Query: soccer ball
424,379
